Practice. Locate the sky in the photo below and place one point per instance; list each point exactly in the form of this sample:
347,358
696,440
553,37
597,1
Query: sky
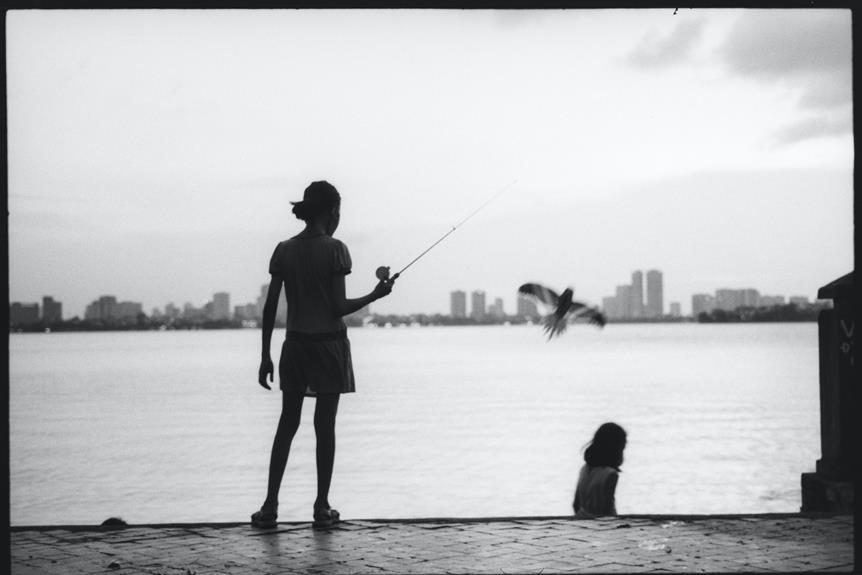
153,154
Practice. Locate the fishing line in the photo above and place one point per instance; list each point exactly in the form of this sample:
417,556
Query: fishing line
383,271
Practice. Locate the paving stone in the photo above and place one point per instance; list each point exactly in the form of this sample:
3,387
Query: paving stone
551,545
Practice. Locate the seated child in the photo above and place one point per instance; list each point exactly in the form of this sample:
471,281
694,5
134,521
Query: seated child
597,482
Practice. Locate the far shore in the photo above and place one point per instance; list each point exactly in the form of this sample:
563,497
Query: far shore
403,321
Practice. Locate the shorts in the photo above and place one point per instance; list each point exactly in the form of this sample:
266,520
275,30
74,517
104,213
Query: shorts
316,363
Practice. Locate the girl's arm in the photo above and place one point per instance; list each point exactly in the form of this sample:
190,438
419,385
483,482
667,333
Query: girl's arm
610,491
269,310
341,306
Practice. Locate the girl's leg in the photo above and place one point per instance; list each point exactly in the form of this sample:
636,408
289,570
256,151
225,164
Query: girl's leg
324,428
288,423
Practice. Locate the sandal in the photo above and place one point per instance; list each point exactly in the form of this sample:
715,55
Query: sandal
264,519
325,518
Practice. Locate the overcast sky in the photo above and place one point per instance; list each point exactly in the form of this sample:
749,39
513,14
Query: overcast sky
153,154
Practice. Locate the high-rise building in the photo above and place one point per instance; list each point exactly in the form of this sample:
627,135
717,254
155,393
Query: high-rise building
654,293
675,309
636,305
52,311
221,306
458,304
624,301
702,303
527,308
477,307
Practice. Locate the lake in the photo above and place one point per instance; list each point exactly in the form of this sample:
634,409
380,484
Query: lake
447,422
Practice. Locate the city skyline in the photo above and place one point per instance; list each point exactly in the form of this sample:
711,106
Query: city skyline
721,298
715,145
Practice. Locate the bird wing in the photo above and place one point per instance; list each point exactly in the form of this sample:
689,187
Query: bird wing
540,292
592,315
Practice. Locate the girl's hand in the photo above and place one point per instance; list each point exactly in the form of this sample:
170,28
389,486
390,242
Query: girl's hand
265,369
382,289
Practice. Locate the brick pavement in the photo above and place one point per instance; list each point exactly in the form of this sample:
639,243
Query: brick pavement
743,543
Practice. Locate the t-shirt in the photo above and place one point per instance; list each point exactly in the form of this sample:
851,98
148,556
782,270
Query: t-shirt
307,265
595,491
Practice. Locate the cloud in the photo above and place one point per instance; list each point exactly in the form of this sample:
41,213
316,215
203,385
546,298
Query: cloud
814,127
655,51
808,51
779,43
811,48
828,91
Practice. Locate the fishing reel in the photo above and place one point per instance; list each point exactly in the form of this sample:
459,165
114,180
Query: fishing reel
382,274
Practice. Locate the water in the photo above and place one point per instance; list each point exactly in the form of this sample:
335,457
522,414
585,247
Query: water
447,421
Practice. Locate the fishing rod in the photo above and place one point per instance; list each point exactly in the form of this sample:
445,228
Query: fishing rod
382,272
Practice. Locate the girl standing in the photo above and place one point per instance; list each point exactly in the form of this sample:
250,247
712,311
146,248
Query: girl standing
315,358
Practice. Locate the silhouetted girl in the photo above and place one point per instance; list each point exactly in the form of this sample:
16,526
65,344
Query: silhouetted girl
597,482
315,357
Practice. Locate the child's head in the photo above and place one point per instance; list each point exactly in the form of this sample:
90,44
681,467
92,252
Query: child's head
319,197
606,448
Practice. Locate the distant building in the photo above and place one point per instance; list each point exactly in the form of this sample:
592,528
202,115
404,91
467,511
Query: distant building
675,309
799,300
730,299
727,299
127,310
191,312
458,304
247,312
749,297
624,302
702,303
636,295
52,311
21,314
654,293
527,308
495,310
221,306
770,300
101,309
477,307
610,307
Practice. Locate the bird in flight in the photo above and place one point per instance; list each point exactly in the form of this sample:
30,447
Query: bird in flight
564,308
